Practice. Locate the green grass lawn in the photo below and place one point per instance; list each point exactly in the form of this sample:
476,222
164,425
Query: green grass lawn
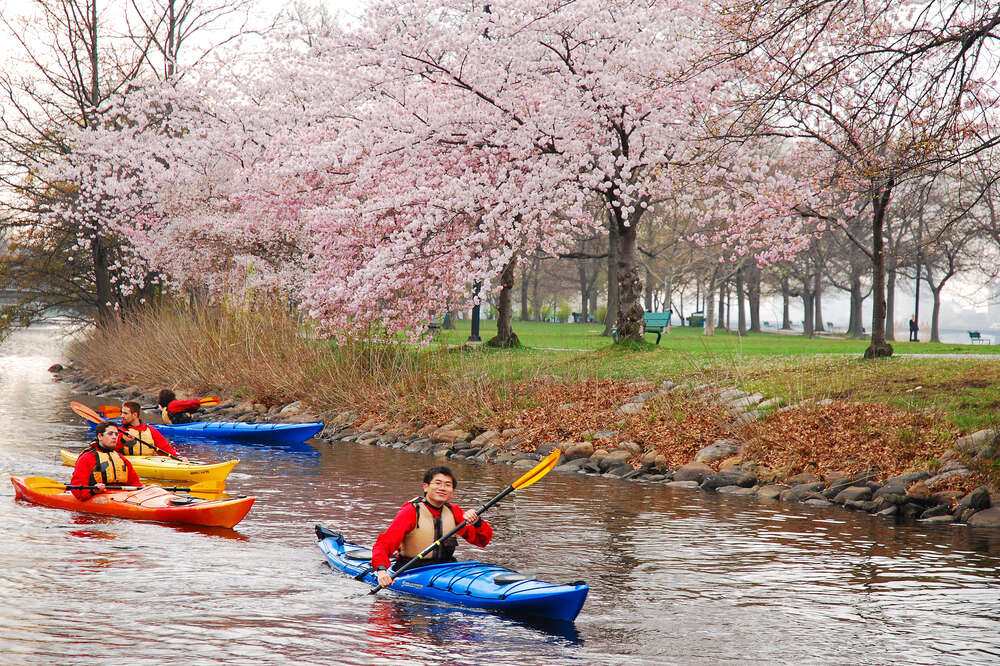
540,335
789,366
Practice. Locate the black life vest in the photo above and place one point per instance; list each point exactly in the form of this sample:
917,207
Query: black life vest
109,467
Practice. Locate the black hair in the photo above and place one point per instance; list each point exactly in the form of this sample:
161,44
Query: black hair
103,426
434,471
166,397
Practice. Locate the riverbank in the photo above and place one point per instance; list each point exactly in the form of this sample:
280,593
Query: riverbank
865,457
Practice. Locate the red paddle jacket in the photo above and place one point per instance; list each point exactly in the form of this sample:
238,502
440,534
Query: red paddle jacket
406,520
180,406
158,439
84,472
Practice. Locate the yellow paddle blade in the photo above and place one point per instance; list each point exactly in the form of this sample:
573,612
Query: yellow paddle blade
86,412
45,486
538,471
210,401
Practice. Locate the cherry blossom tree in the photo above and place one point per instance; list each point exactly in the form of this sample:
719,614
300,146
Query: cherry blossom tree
882,92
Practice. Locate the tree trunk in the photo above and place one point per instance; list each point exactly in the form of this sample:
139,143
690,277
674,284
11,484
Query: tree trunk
102,281
709,305
935,313
753,295
786,319
506,337
880,203
611,316
536,301
854,326
722,306
818,302
630,322
741,313
649,291
524,293
585,287
809,309
449,321
890,304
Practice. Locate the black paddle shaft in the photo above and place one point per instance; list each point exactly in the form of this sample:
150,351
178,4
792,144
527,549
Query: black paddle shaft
480,511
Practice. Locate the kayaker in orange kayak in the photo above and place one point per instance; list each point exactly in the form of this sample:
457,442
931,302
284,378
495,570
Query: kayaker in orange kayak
422,521
176,411
147,440
101,465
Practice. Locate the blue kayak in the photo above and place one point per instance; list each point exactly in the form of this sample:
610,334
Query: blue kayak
276,433
473,584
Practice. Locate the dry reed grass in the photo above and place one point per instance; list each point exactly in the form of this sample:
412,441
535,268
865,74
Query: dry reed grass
263,356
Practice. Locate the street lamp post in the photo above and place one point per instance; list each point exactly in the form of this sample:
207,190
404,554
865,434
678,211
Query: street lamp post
474,334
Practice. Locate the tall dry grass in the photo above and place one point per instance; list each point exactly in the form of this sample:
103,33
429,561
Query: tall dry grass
263,355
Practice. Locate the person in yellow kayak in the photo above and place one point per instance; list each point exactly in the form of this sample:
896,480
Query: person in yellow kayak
146,440
101,465
422,521
176,411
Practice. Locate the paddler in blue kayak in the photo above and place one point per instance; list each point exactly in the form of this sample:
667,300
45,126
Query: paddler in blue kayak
422,521
176,411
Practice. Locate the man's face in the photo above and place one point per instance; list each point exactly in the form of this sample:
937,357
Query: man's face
129,417
107,439
440,489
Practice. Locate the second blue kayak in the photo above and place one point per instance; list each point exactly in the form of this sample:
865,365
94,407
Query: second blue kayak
275,433
472,583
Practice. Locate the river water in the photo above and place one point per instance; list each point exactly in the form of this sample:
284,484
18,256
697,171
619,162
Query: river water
677,577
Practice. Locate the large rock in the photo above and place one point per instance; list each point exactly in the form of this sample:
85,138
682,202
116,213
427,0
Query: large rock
987,518
802,492
770,492
853,494
977,500
578,450
718,450
974,444
799,479
693,471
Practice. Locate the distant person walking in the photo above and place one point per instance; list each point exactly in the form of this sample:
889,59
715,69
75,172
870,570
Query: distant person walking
913,329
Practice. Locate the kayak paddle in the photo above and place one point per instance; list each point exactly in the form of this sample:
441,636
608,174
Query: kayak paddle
113,411
90,415
204,487
531,476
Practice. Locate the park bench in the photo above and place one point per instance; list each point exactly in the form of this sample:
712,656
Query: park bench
655,322
696,320
975,337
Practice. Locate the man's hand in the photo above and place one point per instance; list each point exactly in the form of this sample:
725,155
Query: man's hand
384,579
471,517
101,488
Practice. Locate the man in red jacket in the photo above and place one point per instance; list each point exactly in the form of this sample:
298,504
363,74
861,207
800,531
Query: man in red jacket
147,440
424,520
176,411
100,465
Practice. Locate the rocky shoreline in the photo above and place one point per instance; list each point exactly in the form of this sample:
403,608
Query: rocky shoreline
914,496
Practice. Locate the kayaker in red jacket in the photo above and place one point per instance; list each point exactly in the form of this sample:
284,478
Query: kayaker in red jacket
176,411
422,521
148,441
101,465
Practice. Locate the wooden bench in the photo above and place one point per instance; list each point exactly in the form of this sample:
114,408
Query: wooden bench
975,337
655,322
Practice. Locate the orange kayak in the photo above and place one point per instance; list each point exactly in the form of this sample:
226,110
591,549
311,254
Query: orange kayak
147,503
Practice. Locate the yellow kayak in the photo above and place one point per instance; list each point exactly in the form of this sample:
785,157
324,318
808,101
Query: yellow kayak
162,467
